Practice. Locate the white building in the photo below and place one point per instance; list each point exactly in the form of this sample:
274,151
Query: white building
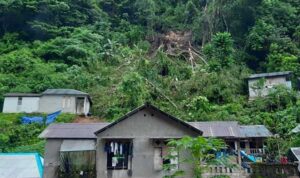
262,84
51,100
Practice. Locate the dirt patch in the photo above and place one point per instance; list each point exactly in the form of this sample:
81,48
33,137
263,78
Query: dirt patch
82,119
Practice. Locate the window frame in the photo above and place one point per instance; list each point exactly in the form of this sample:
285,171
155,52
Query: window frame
127,156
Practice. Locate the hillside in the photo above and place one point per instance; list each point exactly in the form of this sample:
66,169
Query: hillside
188,57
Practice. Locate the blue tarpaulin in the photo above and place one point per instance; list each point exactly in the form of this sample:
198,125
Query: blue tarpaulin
250,157
39,119
30,120
51,117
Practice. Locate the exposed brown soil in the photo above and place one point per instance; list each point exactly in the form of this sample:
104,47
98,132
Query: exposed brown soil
83,119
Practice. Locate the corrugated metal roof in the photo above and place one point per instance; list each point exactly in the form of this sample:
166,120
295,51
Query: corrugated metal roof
273,74
296,152
252,131
22,95
218,128
27,165
72,130
63,92
221,129
78,145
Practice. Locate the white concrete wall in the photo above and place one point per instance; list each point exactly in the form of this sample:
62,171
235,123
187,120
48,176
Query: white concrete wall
52,103
269,85
29,105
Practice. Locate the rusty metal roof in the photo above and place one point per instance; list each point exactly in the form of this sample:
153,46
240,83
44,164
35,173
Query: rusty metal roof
223,129
72,130
252,131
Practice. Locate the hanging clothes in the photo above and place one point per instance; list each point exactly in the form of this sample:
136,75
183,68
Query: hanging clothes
115,148
112,147
121,149
114,161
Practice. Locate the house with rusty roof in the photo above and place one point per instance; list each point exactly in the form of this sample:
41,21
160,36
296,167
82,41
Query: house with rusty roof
49,101
134,145
262,84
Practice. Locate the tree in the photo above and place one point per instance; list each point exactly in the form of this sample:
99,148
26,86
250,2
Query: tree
220,51
134,89
202,153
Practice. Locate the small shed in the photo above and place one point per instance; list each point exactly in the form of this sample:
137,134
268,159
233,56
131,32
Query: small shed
263,83
21,165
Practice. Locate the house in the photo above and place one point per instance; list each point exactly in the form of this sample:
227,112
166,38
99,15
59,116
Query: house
294,156
138,139
262,84
21,165
51,100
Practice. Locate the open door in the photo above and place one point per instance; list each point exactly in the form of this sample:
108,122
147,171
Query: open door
80,105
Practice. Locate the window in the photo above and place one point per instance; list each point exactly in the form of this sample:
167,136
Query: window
172,162
20,100
164,156
119,154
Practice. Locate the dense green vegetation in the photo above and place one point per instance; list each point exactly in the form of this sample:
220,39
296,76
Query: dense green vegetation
15,137
114,50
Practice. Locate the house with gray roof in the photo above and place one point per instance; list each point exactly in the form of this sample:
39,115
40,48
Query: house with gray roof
262,84
49,101
135,145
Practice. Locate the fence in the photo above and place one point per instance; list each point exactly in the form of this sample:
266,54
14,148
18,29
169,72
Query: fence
274,170
235,172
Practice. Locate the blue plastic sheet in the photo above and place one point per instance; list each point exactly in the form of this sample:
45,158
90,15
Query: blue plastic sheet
30,120
250,157
51,117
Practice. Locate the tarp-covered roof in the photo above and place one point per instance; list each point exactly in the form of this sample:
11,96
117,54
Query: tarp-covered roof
72,130
63,92
296,152
25,165
252,131
273,74
218,128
